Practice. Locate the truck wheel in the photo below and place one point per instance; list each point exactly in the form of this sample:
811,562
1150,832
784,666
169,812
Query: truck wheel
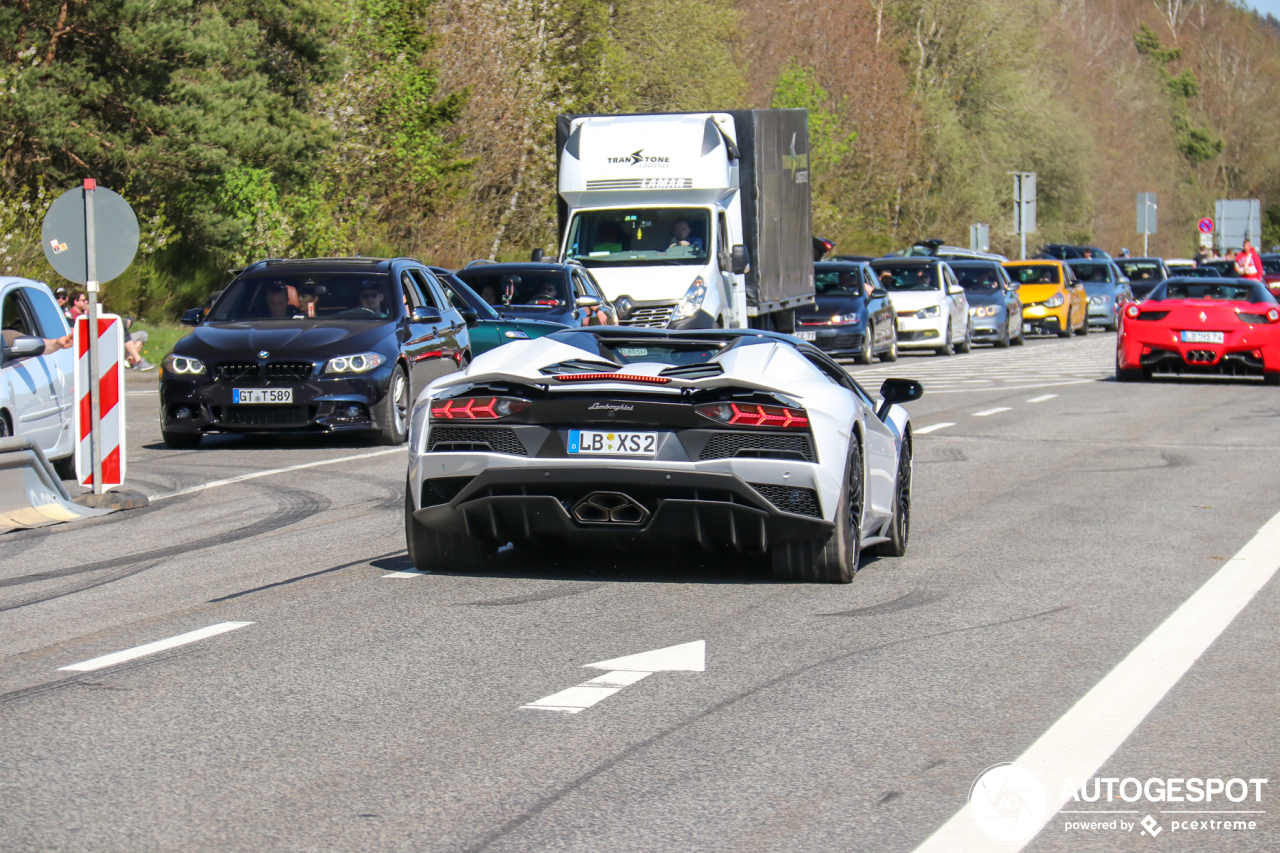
835,557
181,440
431,550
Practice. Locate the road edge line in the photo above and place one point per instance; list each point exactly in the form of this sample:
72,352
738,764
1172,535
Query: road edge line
256,474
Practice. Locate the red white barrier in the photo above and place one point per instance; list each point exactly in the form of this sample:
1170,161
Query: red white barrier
110,387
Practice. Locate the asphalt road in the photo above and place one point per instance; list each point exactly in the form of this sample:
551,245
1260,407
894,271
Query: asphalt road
1059,519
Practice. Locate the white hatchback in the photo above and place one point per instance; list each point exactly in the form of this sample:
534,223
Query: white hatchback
929,302
37,391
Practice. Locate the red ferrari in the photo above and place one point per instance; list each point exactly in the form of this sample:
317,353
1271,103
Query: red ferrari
1221,326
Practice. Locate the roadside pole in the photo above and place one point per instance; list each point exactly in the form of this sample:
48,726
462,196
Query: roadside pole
1024,206
1147,210
91,288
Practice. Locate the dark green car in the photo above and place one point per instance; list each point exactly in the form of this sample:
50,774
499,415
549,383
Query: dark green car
488,328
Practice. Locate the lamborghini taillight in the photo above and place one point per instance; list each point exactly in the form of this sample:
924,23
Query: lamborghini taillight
476,408
755,415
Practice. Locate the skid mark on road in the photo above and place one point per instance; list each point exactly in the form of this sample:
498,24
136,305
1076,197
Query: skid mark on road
537,596
287,581
490,838
915,598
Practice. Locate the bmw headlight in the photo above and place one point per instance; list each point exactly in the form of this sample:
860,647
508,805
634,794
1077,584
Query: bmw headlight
1055,300
361,363
844,319
417,421
931,311
183,365
692,299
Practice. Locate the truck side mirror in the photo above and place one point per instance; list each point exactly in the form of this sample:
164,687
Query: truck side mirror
741,259
193,317
537,256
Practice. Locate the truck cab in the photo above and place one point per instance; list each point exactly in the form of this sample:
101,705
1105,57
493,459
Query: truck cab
665,211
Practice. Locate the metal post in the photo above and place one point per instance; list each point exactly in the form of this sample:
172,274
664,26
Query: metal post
1145,252
91,287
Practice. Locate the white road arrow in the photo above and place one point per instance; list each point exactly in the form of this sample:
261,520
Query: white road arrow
624,671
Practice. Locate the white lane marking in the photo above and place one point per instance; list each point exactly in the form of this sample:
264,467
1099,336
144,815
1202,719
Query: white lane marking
997,410
410,573
1042,398
623,671
132,393
1078,744
242,477
931,428
151,648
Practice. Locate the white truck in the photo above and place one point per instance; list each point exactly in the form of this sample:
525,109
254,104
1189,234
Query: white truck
690,220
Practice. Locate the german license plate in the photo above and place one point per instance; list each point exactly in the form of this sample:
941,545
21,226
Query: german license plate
261,395
1202,337
807,336
598,441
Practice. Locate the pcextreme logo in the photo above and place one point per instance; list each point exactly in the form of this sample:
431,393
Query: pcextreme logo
639,158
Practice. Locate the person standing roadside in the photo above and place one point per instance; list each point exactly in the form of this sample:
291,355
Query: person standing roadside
1249,262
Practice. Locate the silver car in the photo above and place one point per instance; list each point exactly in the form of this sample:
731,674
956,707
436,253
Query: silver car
36,390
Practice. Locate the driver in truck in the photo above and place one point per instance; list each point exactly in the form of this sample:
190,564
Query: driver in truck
681,235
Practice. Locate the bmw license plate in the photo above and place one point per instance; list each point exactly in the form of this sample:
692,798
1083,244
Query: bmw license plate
597,441
1202,337
262,395
807,336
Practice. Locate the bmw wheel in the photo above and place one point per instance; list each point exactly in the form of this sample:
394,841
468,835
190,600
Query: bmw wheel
393,413
835,557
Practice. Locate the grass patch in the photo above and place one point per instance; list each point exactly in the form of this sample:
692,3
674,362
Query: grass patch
160,339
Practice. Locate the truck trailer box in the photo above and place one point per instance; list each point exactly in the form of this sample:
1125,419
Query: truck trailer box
753,165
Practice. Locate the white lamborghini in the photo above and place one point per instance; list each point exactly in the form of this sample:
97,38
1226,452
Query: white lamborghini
612,436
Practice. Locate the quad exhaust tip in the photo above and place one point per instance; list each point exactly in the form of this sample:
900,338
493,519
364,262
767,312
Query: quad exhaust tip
609,508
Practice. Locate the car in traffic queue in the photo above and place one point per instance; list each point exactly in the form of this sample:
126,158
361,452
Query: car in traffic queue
1199,326
850,316
535,290
932,309
1068,252
37,397
995,308
736,439
486,327
320,344
1054,302
1220,267
1271,272
1107,289
1144,274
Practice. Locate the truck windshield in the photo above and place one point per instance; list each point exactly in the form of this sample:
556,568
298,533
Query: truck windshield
643,236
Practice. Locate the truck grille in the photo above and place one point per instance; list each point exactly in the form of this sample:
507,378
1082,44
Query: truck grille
652,318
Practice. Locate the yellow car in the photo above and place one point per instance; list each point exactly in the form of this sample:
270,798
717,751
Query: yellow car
1053,299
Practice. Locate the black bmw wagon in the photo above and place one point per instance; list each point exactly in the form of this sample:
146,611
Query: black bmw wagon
332,345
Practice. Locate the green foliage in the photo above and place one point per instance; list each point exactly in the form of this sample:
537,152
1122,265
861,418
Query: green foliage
797,88
1197,144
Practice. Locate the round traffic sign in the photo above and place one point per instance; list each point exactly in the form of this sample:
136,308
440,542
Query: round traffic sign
1206,226
115,235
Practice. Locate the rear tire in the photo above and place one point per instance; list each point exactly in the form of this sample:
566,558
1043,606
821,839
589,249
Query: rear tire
835,557
865,355
433,551
947,347
1271,379
182,440
393,411
1129,374
900,525
65,467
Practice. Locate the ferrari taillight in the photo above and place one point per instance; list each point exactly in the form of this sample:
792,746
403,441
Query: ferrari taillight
1132,311
476,408
755,415
1273,316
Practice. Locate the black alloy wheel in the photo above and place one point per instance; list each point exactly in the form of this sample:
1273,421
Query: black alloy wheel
835,557
947,347
864,355
393,413
899,530
433,551
4,426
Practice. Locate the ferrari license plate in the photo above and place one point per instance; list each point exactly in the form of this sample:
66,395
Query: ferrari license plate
1202,337
596,441
807,336
262,395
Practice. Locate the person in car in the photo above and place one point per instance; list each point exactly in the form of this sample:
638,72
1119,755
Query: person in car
371,299
682,235
608,238
278,302
547,295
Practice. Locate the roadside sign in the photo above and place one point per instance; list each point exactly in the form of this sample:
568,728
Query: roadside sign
109,389
1206,241
980,237
64,236
1147,210
1206,226
1238,220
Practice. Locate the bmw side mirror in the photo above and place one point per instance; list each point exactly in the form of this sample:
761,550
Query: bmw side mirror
741,259
193,317
587,302
424,314
897,391
25,346
469,315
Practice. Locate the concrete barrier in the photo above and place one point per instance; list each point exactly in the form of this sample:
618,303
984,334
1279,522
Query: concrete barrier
31,494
